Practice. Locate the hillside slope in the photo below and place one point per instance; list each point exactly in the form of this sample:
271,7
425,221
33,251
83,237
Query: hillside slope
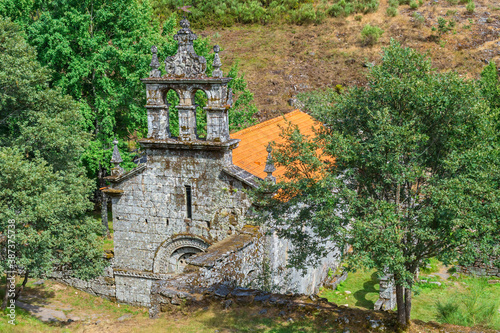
283,60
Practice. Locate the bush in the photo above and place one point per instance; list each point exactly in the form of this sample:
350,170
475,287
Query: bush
358,17
370,34
471,7
392,11
305,14
348,7
413,4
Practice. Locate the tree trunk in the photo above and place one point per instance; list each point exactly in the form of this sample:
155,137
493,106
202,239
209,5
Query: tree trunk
6,296
21,288
407,305
104,214
400,300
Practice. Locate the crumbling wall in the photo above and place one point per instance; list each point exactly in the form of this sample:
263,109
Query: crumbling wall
482,269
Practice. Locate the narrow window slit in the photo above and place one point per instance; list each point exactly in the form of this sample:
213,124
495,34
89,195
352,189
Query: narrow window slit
189,209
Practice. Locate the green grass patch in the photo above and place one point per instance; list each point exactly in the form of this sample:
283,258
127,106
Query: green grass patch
466,301
364,288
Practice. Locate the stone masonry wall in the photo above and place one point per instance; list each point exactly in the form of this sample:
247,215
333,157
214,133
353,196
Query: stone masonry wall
153,205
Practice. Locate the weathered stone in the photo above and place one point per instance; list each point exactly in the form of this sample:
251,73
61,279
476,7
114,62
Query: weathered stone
222,291
262,298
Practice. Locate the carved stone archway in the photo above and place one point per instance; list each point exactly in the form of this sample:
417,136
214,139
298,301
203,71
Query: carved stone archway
171,254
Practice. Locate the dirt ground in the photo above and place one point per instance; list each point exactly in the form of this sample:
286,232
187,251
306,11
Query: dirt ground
280,61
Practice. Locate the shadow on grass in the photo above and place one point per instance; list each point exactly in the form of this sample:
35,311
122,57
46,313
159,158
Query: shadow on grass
247,319
368,287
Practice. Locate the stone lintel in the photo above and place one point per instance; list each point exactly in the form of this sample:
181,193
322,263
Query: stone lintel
169,80
194,144
112,191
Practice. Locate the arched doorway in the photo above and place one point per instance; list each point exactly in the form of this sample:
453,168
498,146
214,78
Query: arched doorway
172,254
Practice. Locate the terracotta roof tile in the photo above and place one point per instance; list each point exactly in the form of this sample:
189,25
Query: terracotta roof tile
251,153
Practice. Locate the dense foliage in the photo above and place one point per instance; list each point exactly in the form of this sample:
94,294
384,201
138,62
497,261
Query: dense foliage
403,170
98,51
43,187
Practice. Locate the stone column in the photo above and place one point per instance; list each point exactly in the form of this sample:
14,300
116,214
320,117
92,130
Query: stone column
158,126
217,124
187,122
158,122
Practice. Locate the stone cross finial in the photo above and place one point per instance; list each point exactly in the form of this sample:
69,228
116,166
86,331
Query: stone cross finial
217,63
155,64
269,169
116,160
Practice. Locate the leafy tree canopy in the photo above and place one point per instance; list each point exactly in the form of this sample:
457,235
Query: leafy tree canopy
403,170
98,51
43,186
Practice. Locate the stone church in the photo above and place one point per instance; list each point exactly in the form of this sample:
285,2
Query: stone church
183,215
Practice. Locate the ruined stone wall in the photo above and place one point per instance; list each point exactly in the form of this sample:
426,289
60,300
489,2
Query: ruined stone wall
153,205
262,264
480,268
102,286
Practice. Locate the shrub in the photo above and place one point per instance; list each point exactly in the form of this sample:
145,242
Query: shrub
413,4
392,11
358,17
471,7
443,25
347,7
404,2
370,34
305,14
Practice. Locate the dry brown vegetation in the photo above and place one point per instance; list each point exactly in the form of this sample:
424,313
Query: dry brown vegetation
282,60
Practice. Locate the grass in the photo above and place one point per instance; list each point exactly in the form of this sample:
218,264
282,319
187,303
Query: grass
108,244
429,300
364,288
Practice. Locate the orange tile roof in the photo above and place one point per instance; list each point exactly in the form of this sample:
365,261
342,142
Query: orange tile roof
251,153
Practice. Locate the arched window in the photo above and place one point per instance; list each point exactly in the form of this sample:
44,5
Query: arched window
172,100
200,100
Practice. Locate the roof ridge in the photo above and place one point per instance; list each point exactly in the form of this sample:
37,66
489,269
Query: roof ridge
267,122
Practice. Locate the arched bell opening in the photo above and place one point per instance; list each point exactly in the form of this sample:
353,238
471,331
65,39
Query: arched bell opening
200,101
172,100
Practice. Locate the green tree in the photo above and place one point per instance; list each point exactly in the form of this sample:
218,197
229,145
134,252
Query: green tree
43,187
98,51
403,170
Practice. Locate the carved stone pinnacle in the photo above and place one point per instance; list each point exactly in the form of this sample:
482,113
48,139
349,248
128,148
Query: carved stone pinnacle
217,72
155,64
